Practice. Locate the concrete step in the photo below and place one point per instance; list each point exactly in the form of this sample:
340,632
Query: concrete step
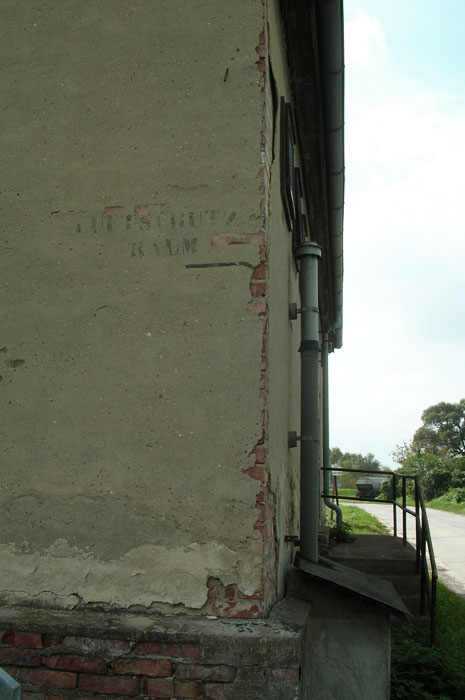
387,557
407,585
381,555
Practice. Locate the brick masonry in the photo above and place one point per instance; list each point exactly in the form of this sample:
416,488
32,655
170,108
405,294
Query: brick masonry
213,662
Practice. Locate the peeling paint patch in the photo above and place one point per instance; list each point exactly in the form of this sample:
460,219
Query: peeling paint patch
237,238
145,575
143,209
107,210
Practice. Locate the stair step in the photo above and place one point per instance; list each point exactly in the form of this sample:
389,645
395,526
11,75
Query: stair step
381,555
406,586
387,557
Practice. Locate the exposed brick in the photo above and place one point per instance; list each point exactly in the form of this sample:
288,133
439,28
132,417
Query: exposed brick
102,647
260,454
43,676
143,667
258,289
237,238
255,596
219,692
223,608
262,512
49,640
257,307
176,651
230,591
188,689
112,685
32,640
263,363
260,497
213,588
247,613
288,675
69,662
257,473
201,672
19,657
158,688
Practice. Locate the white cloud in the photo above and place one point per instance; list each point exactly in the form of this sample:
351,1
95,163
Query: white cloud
364,39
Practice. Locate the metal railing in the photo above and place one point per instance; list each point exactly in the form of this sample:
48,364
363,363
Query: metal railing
425,560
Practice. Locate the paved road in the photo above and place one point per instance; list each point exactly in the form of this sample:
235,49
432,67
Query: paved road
448,535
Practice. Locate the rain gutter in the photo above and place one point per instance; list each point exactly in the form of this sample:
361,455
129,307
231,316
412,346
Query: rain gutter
330,23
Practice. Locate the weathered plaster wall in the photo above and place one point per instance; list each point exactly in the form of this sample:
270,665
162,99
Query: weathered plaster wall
130,336
284,335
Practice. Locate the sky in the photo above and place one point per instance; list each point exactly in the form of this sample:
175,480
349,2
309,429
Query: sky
404,221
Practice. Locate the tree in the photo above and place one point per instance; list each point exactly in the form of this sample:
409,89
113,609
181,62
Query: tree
443,430
402,451
352,460
437,473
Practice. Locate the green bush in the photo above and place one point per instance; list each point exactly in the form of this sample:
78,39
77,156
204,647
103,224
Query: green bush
341,534
420,671
437,475
423,672
456,495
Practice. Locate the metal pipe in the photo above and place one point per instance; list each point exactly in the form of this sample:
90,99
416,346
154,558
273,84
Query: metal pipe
404,512
324,367
417,522
308,254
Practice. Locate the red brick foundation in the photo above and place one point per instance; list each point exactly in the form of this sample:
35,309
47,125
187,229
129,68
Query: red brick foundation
167,664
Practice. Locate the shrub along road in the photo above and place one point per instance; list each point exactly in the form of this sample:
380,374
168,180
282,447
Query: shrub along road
448,535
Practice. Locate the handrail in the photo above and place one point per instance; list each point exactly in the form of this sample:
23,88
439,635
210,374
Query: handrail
426,562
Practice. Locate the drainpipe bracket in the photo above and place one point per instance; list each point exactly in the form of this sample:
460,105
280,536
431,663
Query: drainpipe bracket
293,311
292,439
310,345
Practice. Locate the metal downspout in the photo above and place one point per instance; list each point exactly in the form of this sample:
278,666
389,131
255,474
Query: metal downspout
308,254
324,367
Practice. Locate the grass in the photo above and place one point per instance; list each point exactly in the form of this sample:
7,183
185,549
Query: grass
359,522
431,673
346,493
362,523
447,502
451,623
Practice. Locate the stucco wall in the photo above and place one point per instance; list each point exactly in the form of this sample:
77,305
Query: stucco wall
130,342
284,335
